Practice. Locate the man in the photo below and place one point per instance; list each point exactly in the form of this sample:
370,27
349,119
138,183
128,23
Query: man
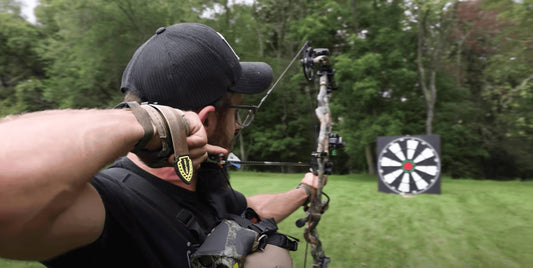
56,206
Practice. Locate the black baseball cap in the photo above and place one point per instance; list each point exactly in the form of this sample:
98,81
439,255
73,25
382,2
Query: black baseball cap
189,66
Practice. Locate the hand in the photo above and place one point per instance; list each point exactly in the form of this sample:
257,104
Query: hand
311,180
197,140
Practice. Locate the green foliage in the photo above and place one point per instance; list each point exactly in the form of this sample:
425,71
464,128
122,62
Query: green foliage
19,264
376,81
10,6
20,65
283,129
91,41
323,24
29,96
75,57
497,68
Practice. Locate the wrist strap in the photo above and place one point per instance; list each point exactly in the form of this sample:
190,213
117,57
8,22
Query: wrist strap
172,128
307,190
178,129
144,119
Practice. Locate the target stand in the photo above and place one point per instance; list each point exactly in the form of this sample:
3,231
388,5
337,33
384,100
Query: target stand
409,164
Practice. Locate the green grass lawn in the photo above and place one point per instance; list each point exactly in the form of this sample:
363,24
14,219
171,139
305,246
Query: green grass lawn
471,224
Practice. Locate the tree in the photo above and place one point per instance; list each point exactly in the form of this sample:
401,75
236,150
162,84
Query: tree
508,91
479,115
462,69
376,76
90,42
434,23
282,129
19,62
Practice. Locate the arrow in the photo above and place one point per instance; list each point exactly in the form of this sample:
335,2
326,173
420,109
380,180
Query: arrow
232,159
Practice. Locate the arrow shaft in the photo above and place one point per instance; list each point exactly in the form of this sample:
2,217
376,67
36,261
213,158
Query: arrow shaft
270,163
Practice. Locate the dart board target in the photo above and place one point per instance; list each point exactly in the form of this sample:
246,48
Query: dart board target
409,164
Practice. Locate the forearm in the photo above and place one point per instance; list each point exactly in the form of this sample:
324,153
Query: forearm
46,157
277,206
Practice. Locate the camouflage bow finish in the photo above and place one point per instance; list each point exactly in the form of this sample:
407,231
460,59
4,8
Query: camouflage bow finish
318,59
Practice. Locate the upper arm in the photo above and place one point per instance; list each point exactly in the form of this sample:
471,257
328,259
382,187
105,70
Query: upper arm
44,237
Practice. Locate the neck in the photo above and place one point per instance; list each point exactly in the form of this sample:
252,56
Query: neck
164,173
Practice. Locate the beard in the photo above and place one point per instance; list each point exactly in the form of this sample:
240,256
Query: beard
211,178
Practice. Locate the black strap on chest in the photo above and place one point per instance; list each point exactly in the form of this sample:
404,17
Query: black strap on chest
150,192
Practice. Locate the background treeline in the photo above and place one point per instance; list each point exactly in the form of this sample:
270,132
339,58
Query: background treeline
459,69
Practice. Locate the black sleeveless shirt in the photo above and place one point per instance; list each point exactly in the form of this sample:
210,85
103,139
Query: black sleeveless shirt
143,231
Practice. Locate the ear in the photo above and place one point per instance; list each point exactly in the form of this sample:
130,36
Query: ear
208,117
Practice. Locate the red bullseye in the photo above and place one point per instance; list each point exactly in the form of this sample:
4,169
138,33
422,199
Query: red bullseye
408,166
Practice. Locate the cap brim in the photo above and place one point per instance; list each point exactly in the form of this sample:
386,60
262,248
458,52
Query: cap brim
255,78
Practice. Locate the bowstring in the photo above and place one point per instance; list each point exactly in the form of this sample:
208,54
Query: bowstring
305,256
282,74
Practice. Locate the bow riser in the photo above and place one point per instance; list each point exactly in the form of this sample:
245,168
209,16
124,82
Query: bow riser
320,157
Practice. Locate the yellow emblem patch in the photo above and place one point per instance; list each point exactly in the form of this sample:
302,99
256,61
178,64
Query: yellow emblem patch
183,168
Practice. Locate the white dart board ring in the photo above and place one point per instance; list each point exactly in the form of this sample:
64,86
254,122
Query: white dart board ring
409,164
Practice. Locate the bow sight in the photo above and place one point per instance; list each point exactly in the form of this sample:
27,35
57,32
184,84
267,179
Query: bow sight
335,142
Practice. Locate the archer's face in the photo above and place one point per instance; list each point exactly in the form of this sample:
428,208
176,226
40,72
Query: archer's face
226,126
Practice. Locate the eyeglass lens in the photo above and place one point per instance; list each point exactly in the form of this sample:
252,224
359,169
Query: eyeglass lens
244,116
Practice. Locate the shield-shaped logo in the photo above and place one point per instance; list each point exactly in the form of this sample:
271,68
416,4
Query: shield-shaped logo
183,167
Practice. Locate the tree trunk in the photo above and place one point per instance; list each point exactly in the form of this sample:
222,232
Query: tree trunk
459,74
241,148
355,16
428,87
258,30
429,118
433,35
370,160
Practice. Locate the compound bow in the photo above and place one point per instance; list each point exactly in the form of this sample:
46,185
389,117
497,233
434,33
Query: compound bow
317,59
312,60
